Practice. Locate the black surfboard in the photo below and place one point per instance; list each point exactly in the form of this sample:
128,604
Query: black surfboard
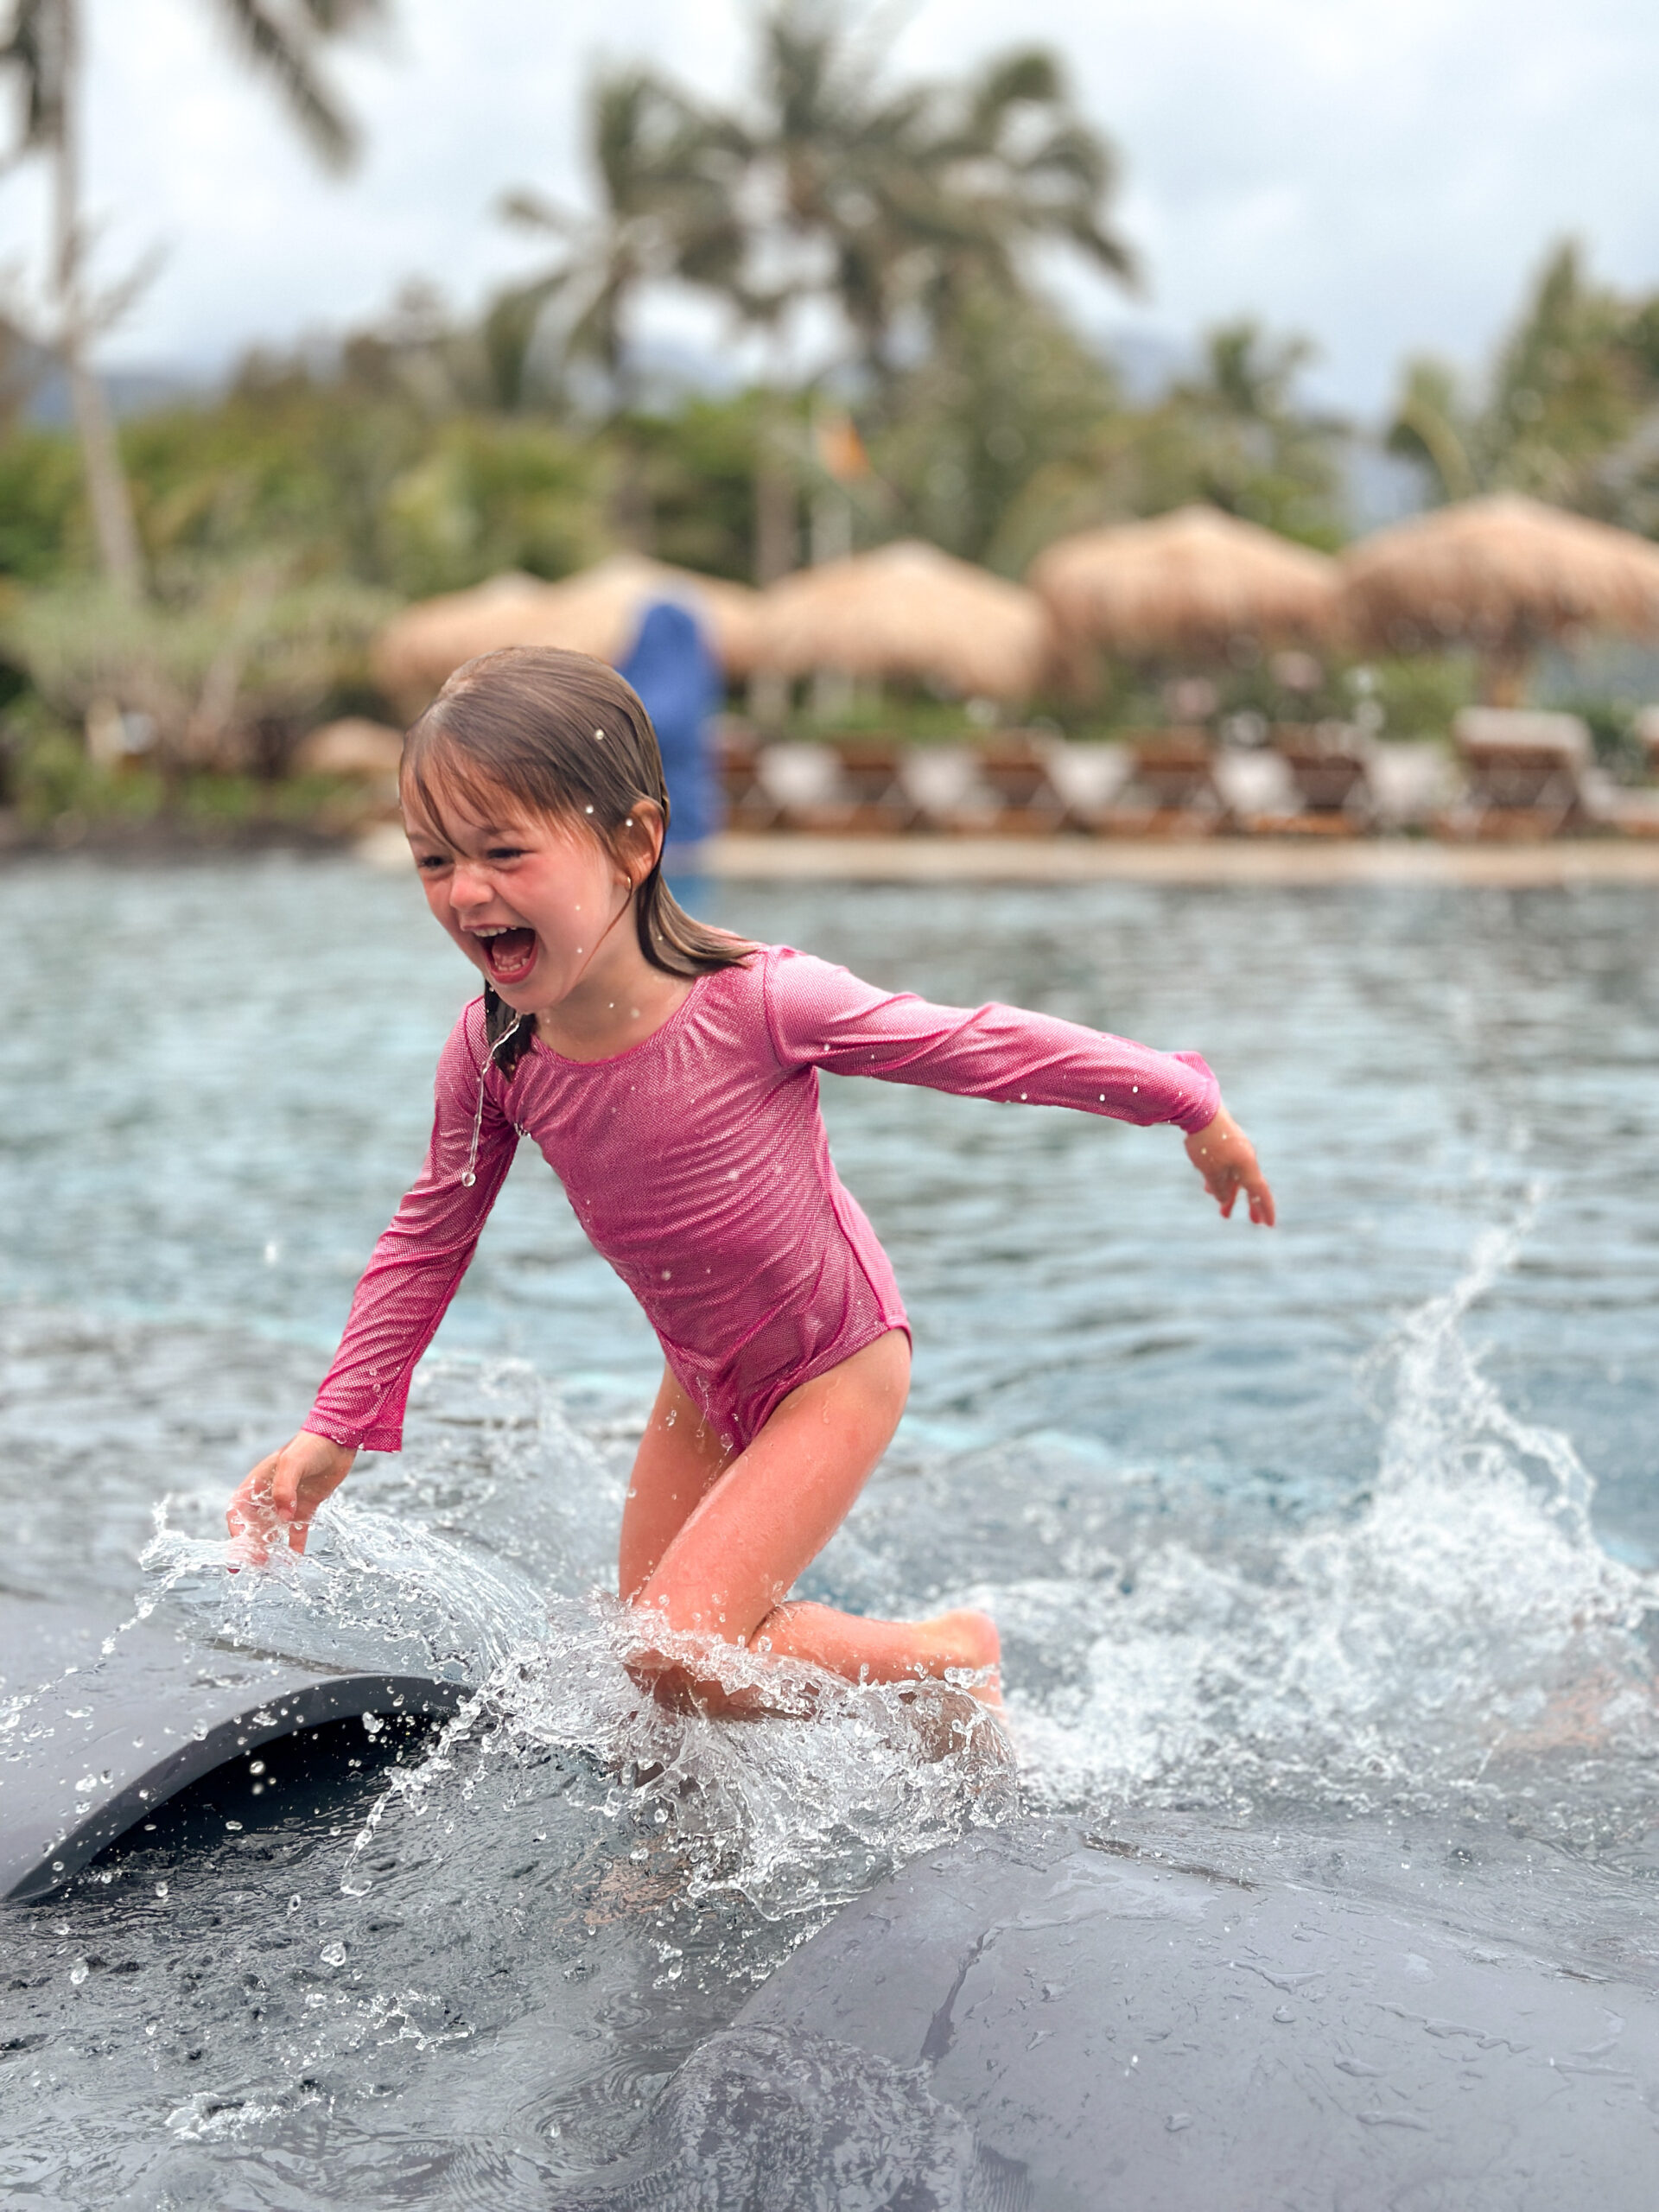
1055,2018
105,1723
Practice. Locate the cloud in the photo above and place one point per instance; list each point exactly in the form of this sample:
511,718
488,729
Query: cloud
1381,178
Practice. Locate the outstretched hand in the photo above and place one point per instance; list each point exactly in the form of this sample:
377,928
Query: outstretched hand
1225,1158
279,1500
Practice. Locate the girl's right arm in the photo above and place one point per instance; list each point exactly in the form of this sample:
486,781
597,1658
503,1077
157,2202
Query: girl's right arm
403,1293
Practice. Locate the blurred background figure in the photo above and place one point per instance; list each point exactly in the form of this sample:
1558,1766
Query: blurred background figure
670,665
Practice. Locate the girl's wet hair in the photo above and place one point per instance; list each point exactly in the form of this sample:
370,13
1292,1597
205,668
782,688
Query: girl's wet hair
563,735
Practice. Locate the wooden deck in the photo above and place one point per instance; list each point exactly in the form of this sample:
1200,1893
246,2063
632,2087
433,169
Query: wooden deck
1555,863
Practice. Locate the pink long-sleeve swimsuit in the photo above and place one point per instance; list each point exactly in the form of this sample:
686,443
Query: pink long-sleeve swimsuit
697,1163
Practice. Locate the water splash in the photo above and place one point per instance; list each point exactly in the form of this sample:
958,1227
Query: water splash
838,1785
1461,1625
491,1583
370,1591
438,1562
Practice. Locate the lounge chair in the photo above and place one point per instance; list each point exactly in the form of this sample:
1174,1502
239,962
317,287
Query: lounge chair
1413,781
1330,765
1258,790
1525,774
803,786
749,805
1088,779
944,786
1634,812
1173,790
1017,767
872,783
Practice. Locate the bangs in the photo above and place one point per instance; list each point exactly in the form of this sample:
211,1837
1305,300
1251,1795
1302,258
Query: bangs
441,775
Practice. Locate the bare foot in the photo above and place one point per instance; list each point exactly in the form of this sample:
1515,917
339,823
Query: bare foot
969,1640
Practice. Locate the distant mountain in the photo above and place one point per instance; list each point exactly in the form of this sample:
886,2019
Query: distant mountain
130,391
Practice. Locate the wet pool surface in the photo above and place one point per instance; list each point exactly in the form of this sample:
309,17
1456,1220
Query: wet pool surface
1348,1527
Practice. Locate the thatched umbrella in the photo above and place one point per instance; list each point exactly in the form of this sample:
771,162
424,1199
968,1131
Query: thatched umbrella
597,611
907,611
1504,575
1185,586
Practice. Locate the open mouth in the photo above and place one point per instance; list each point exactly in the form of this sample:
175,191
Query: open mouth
510,953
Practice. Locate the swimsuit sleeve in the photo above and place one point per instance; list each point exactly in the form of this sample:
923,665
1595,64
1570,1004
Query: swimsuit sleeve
822,1016
416,1266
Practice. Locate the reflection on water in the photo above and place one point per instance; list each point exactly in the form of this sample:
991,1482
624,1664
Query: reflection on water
1283,1533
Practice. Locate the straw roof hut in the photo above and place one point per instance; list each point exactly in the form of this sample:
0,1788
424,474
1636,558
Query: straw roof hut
906,610
1504,575
1184,586
597,611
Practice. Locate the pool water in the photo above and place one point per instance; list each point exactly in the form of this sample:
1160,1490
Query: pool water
1352,1527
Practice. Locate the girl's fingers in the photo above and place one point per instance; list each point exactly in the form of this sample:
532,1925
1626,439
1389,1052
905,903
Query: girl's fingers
250,1519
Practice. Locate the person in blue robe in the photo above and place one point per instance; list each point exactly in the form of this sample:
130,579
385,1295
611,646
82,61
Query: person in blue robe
678,680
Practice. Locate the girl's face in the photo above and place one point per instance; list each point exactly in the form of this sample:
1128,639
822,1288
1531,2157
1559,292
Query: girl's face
532,899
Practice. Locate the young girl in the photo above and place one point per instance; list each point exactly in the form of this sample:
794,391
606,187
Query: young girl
668,1071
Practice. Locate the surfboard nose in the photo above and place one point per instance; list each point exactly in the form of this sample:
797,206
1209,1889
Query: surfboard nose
103,1723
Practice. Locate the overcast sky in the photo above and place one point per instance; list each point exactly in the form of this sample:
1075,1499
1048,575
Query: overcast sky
1380,174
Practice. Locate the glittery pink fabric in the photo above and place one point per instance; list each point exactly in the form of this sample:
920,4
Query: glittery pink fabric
697,1163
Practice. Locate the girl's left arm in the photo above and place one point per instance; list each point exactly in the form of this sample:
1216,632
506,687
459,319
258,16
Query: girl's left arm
823,1016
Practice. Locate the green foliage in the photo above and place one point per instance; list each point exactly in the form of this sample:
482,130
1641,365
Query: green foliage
41,504
977,435
228,670
694,470
1237,436
1620,746
488,496
354,475
1569,411
1417,696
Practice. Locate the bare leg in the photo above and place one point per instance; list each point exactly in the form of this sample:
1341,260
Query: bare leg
716,1546
679,1460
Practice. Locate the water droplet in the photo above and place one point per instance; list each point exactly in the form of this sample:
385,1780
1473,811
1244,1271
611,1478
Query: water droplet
79,1972
1177,2120
469,1178
235,1827
256,1766
333,1954
161,1889
1282,2013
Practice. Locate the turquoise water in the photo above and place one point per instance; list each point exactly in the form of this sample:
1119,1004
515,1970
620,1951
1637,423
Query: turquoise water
1353,1523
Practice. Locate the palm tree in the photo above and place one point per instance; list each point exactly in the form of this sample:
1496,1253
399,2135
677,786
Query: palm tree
893,205
901,210
1568,393
41,55
666,211
1013,168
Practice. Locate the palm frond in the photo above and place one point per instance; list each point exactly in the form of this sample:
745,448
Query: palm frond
281,50
34,54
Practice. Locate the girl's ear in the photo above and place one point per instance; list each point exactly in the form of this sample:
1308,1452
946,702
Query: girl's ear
640,840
